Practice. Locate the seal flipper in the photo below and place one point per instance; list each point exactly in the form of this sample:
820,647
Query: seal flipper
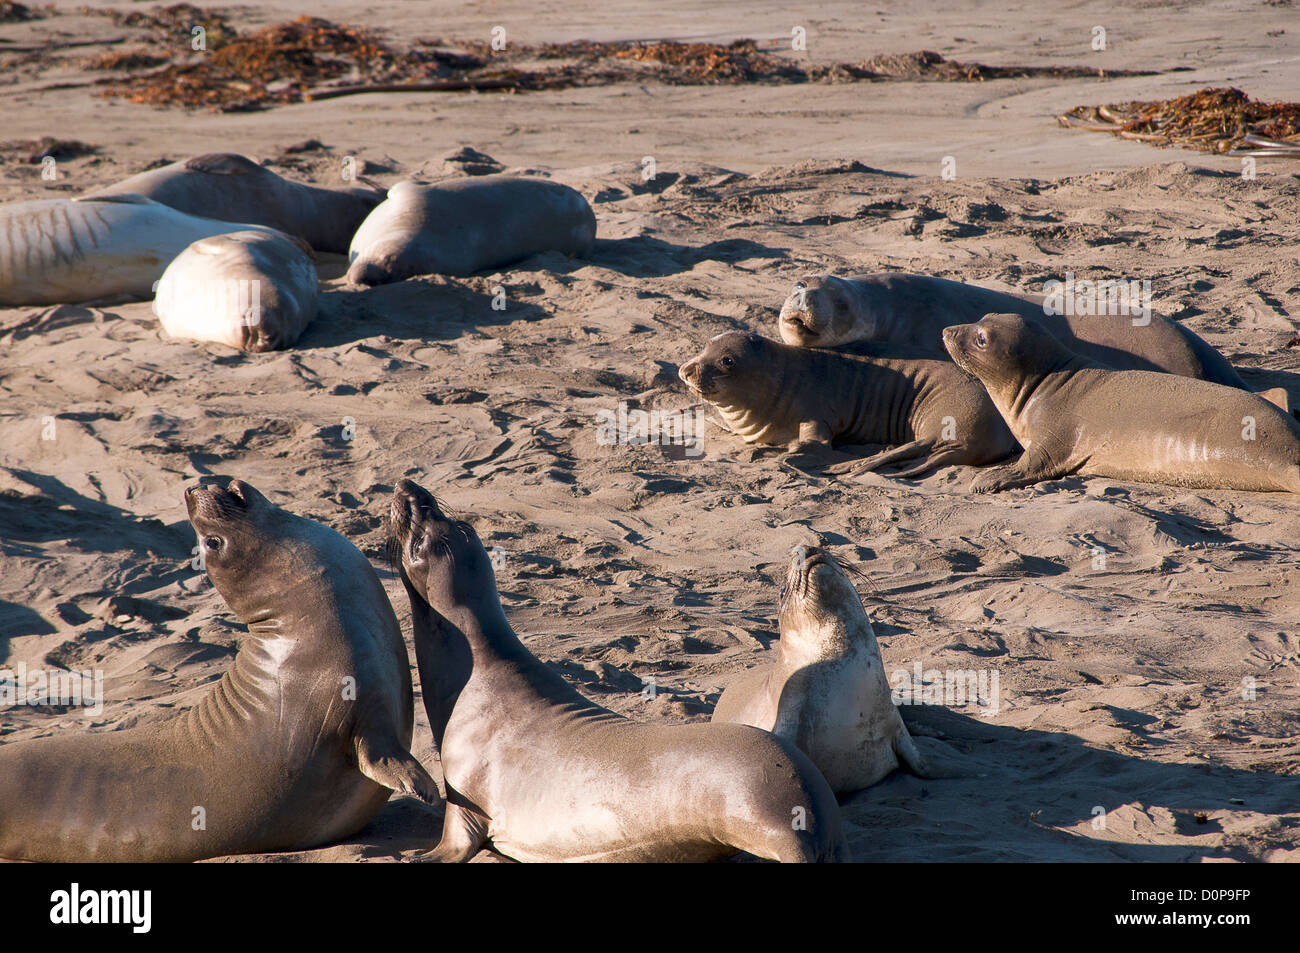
464,832
1034,466
909,759
395,769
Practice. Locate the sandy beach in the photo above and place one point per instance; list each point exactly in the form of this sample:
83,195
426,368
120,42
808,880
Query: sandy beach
1142,637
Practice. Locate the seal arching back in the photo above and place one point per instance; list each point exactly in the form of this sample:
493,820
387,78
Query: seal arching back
300,743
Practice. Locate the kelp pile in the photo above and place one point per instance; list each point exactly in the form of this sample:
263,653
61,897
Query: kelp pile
311,58
1219,120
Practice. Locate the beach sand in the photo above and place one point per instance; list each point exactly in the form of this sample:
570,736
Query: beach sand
1143,637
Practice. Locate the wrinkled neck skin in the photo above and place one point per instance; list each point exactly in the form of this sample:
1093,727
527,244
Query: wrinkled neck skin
1015,398
765,417
809,637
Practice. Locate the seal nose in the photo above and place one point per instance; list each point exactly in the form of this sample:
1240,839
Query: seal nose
690,371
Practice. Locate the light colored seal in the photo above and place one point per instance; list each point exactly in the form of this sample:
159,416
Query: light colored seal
1073,415
827,692
539,773
467,225
65,251
233,188
298,745
251,290
808,399
911,311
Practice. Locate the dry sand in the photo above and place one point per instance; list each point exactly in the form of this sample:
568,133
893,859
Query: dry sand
1121,686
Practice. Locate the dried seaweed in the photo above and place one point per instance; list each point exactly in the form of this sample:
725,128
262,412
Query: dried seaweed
1215,120
311,58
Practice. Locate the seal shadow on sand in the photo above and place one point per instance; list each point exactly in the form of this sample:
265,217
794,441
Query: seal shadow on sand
648,257
1019,787
433,308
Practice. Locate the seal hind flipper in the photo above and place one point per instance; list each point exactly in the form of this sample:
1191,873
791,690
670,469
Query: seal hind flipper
909,759
464,833
396,770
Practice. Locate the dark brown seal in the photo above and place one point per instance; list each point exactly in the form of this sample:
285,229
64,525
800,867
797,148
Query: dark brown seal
808,399
539,773
1073,415
298,745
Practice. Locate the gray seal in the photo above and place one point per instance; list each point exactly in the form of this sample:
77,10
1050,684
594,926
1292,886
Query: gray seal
540,773
468,225
808,399
233,188
298,745
911,311
827,692
1073,415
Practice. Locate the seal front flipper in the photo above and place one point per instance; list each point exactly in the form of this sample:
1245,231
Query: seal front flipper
1034,466
396,770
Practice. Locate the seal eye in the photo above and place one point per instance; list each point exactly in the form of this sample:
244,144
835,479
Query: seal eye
212,543
800,286
726,362
784,589
981,339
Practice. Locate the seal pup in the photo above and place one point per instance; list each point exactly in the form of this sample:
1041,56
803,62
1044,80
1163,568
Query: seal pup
911,311
251,290
299,744
1073,415
67,251
468,225
827,692
807,399
540,773
234,188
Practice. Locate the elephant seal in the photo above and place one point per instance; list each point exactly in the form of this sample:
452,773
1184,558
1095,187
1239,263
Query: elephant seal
539,773
250,290
233,188
467,225
66,251
827,692
905,310
807,399
1073,415
298,745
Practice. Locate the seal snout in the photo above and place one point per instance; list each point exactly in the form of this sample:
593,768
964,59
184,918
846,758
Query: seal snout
692,375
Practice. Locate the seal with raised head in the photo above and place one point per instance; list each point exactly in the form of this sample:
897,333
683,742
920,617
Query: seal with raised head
298,745
1073,415
66,251
234,188
827,692
250,290
466,225
911,311
538,772
808,399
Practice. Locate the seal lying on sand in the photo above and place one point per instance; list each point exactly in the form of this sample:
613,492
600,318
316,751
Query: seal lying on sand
467,225
911,311
540,773
232,188
299,744
827,692
64,251
1075,416
251,290
772,393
